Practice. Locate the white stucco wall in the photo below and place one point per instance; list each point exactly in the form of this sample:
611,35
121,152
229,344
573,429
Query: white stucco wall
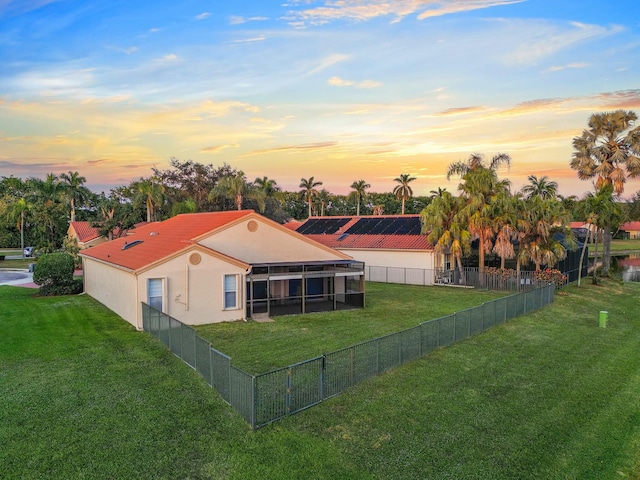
266,244
394,258
397,266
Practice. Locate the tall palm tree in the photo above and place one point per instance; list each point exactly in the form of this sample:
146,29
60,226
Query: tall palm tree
505,214
445,230
235,186
324,197
608,150
309,190
475,161
597,210
267,185
18,212
359,193
73,186
541,187
403,191
540,220
480,186
150,192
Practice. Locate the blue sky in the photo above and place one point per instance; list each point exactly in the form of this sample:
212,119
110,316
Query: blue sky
339,90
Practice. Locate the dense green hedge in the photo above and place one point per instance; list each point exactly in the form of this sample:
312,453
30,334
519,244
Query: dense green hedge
54,274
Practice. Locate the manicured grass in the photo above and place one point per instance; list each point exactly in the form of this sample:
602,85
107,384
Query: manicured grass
17,263
260,347
546,396
629,245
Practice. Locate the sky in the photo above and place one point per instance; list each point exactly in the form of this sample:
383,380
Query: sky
341,90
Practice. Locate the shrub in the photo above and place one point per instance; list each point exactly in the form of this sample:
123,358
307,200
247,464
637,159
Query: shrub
54,274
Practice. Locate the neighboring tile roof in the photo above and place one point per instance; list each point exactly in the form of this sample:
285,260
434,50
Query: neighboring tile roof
630,227
293,225
385,242
84,231
341,240
161,239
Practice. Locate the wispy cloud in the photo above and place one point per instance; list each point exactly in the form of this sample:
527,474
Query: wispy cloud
260,38
363,10
219,148
307,146
341,82
203,15
329,61
557,68
238,20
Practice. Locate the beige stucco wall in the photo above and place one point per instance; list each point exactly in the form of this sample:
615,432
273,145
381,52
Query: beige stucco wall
267,244
114,288
194,294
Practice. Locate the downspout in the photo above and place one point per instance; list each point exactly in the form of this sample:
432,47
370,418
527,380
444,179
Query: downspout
186,287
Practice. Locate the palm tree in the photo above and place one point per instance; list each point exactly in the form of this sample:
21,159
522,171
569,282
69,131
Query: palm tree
324,197
445,230
73,185
18,212
309,190
235,186
597,210
359,193
505,214
475,161
150,192
403,191
608,150
540,220
541,187
268,186
437,193
480,186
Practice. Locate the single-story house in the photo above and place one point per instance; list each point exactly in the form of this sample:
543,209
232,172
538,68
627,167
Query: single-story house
220,266
391,246
630,230
84,234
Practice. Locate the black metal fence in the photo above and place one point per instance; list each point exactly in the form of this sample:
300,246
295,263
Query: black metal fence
265,398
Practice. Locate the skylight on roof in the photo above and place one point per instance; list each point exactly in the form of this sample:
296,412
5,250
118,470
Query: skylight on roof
128,245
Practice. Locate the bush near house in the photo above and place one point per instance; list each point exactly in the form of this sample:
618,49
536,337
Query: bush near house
54,274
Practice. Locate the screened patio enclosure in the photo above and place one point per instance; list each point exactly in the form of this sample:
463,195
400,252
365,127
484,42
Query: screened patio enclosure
285,289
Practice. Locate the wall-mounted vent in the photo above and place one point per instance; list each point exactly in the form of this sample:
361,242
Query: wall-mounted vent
128,245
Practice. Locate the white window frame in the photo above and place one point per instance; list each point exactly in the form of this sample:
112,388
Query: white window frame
163,292
232,289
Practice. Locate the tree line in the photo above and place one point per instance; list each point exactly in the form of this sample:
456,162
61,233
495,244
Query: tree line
37,212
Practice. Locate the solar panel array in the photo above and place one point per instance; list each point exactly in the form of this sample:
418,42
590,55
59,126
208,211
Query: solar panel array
319,226
386,226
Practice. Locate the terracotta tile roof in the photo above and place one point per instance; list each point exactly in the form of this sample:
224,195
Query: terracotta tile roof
340,240
293,225
84,231
161,239
384,242
630,227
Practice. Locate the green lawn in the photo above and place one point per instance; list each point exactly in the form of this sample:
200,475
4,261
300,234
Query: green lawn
260,347
547,396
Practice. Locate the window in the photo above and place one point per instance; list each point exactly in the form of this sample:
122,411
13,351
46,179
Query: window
230,291
154,293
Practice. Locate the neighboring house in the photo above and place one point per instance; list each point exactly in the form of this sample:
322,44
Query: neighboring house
220,266
392,246
630,230
84,234
87,236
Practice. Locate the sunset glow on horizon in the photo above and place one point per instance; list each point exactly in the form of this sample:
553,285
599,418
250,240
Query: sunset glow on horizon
338,90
